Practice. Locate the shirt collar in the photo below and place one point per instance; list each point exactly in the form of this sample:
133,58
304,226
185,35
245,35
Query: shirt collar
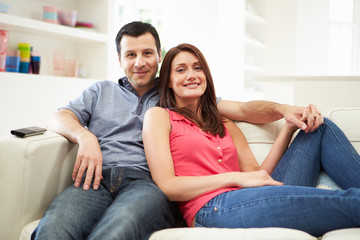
124,82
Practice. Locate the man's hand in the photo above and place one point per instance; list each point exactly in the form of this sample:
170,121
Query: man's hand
307,119
89,160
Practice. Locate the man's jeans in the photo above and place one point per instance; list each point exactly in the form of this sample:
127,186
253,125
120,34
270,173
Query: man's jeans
297,204
127,205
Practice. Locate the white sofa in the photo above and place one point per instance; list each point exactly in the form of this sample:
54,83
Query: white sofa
34,170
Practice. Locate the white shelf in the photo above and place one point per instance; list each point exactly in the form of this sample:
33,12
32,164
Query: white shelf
36,27
30,77
255,19
254,42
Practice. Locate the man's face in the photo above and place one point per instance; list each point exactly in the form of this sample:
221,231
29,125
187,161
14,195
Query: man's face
139,58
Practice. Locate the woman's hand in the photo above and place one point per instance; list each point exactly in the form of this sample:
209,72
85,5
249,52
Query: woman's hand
254,179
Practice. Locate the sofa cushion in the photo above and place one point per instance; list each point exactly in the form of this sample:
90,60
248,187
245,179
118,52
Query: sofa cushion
200,233
343,234
28,230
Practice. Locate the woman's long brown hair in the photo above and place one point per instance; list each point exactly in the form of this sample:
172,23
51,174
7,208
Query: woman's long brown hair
210,120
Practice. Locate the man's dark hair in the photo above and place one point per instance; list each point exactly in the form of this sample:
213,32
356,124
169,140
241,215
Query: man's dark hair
136,29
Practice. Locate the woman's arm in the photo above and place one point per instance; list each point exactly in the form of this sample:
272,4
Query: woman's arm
156,131
247,161
279,147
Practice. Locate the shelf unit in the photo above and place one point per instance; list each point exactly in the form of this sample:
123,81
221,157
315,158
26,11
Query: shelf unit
89,47
254,41
29,99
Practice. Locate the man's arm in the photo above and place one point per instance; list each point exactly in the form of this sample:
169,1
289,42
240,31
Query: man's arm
264,111
89,158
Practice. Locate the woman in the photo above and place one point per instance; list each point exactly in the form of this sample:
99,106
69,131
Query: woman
194,161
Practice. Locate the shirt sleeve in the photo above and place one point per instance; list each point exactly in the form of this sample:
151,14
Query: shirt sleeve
83,106
218,99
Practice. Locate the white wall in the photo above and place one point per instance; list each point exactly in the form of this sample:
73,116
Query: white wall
34,99
281,37
227,70
312,34
326,92
297,42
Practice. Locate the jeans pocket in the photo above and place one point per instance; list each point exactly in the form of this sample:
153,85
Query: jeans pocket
199,219
202,215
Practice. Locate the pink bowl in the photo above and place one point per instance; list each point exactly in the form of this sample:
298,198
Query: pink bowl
67,17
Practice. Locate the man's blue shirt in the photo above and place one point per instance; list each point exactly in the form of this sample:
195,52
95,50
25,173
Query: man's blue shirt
114,113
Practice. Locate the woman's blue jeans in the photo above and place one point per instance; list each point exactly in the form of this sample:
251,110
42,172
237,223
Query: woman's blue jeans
297,204
128,205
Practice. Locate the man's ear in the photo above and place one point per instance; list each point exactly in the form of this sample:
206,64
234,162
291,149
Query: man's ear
119,60
159,57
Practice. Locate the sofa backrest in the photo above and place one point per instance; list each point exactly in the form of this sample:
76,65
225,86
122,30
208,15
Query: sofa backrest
348,119
261,136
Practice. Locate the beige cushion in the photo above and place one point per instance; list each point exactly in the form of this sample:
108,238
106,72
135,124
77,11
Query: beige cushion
343,234
28,229
260,137
231,234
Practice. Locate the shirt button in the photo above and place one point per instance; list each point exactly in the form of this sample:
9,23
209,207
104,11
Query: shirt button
219,160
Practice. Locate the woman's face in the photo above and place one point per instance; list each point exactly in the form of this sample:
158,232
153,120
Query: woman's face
187,79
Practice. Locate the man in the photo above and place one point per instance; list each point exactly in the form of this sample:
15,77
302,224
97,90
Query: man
113,196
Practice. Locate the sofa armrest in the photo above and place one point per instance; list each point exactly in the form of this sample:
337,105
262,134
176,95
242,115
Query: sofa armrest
33,171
